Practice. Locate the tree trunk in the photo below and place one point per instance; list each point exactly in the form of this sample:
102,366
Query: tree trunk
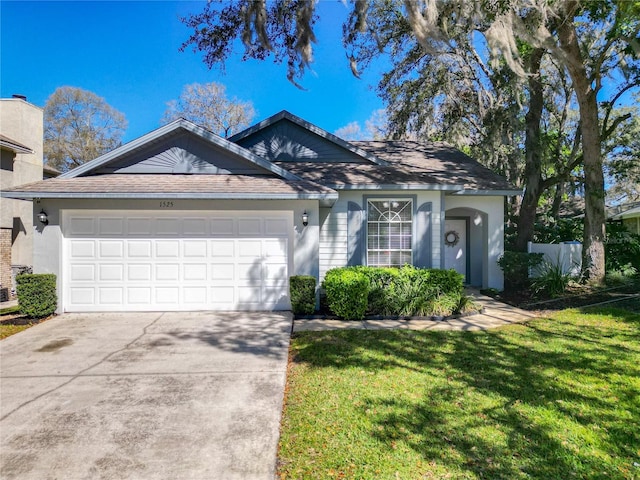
533,166
594,213
557,201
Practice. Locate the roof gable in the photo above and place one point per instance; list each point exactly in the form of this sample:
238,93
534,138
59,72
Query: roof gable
180,147
287,138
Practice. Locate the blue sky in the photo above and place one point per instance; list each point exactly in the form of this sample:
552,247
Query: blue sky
128,53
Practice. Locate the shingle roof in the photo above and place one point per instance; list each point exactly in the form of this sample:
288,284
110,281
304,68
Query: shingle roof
187,186
434,166
440,161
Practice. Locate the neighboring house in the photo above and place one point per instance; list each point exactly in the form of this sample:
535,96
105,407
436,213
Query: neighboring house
50,172
182,219
21,136
629,216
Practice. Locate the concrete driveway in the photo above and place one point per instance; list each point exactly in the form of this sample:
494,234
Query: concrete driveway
144,396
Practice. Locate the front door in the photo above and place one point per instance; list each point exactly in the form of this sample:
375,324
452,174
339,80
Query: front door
455,246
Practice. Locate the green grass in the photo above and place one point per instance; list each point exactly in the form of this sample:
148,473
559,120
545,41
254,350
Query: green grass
8,328
11,329
557,398
9,310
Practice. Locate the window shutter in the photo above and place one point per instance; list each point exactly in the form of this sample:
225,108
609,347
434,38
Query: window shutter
422,236
355,234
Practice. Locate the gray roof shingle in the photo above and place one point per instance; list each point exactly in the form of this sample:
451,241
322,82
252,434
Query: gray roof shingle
246,186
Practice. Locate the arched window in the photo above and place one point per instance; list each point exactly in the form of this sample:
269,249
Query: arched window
389,232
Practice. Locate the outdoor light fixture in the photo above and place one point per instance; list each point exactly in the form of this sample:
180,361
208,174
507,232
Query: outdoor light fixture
305,218
42,216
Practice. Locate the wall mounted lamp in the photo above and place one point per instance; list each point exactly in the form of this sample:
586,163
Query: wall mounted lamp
43,218
305,218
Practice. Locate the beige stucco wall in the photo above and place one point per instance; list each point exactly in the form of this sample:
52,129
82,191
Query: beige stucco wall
22,122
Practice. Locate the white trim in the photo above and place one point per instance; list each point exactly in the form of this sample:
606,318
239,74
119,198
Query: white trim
395,186
498,193
184,196
411,208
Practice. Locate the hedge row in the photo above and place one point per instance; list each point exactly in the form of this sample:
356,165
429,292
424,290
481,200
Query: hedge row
303,294
37,294
353,292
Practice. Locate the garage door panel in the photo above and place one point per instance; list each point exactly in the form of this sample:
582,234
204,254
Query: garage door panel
195,248
167,248
195,295
194,271
222,226
139,248
249,272
83,272
82,249
223,295
194,226
167,226
167,271
139,295
250,226
140,226
223,248
111,295
249,248
146,262
111,248
110,226
111,272
275,273
81,226
169,295
249,294
139,272
82,296
224,272
275,226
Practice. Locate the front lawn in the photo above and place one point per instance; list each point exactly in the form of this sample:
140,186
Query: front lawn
12,322
555,398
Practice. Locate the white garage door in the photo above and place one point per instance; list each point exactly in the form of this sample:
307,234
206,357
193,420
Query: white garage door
176,261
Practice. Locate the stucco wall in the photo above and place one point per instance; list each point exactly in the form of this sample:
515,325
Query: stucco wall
493,248
48,241
23,123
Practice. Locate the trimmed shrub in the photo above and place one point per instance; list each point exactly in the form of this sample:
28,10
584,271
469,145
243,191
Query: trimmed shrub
303,294
516,266
405,291
37,294
347,292
380,279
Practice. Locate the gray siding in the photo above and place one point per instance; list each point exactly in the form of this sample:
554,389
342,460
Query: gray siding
287,142
183,153
334,230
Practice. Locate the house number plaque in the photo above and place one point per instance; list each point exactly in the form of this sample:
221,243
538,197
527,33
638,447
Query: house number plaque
166,204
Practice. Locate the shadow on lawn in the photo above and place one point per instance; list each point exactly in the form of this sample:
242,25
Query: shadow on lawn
497,404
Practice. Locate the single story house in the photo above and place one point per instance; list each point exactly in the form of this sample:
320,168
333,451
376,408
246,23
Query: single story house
182,219
629,216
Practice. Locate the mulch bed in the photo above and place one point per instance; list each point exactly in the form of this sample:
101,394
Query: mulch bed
579,296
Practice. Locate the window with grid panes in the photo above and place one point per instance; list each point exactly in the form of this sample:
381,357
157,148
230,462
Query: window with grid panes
389,227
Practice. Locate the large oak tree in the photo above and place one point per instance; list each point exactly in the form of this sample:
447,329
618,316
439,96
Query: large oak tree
79,126
591,41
